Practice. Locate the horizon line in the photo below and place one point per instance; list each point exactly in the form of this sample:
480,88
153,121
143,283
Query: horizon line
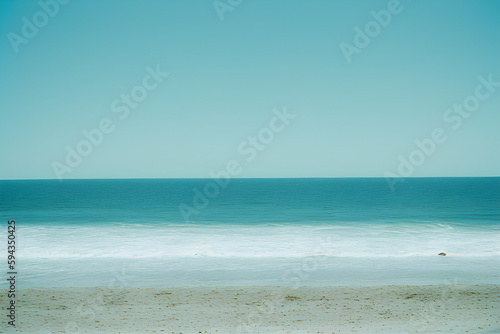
246,178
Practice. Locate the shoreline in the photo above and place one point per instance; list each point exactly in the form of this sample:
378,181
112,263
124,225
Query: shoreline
261,309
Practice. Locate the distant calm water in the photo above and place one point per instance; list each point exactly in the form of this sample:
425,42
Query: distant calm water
254,231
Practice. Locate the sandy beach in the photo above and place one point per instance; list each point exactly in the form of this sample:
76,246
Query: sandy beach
380,309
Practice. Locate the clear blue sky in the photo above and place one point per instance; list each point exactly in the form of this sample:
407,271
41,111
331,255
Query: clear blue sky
227,76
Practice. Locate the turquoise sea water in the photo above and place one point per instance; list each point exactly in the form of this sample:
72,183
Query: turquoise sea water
174,232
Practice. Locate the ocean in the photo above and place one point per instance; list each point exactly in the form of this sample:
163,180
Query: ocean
240,232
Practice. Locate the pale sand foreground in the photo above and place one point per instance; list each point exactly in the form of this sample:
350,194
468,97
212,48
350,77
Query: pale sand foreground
385,309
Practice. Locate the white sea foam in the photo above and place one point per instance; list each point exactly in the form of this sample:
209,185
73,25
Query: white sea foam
257,241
